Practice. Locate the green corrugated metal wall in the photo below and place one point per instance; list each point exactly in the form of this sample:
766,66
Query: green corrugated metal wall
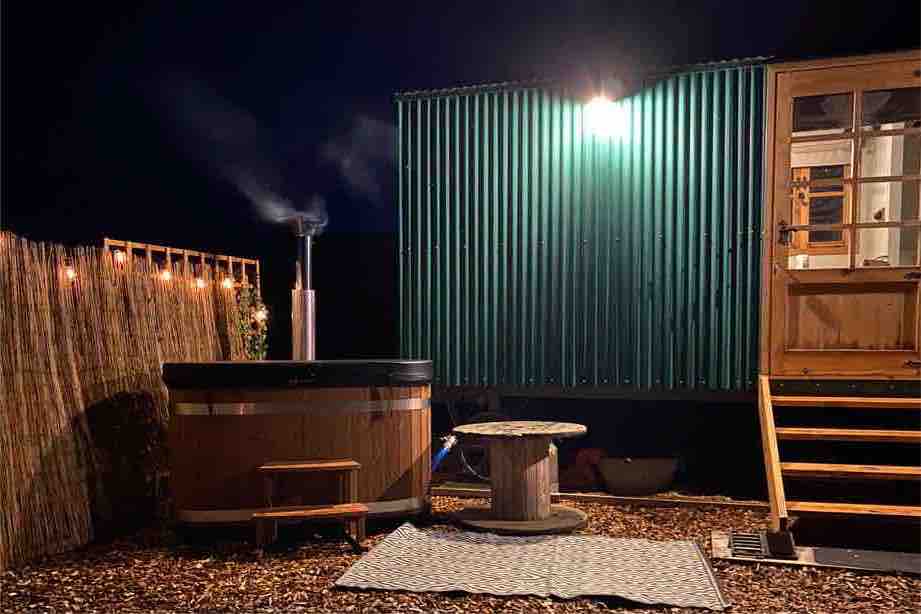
532,252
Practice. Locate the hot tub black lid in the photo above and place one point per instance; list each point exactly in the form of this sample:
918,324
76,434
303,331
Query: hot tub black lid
296,374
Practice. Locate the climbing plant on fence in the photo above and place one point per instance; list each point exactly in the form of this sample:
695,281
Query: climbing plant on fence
253,322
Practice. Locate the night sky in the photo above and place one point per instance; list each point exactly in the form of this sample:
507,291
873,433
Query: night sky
92,148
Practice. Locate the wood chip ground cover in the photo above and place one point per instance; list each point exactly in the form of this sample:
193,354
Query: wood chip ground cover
151,572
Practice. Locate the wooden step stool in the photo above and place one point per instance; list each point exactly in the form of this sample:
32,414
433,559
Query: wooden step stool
347,509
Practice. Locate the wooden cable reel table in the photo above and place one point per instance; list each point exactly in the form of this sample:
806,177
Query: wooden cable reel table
519,461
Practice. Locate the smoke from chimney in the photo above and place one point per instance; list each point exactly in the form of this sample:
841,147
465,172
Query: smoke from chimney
235,146
363,156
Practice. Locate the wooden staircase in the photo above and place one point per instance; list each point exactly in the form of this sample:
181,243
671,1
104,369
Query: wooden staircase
777,470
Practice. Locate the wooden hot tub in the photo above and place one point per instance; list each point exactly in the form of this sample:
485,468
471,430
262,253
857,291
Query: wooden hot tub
227,418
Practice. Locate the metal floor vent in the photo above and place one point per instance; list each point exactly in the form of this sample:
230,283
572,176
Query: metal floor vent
748,545
740,546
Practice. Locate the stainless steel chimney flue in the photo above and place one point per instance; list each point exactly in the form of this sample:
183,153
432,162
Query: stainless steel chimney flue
303,305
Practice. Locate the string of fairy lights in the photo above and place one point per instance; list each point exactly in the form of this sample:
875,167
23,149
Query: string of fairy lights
227,282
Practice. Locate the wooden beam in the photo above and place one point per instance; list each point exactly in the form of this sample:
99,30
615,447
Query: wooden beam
599,392
834,470
837,62
853,402
767,220
854,509
339,510
184,254
771,457
295,466
475,492
830,434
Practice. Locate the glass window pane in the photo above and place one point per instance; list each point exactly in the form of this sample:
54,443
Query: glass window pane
899,108
825,236
889,201
832,113
826,210
887,247
890,156
827,172
805,255
819,156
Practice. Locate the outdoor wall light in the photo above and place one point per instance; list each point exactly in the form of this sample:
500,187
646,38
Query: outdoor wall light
604,118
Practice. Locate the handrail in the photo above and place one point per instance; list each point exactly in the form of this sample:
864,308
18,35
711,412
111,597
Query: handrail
776,495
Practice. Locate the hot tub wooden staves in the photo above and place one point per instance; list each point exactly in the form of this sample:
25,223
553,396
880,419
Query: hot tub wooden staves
228,418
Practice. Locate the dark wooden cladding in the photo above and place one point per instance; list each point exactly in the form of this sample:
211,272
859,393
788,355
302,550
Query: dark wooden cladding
215,458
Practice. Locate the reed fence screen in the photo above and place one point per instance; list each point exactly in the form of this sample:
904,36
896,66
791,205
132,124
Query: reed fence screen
80,331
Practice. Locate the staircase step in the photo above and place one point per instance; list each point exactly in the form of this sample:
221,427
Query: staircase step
341,510
307,466
853,402
830,434
854,509
868,472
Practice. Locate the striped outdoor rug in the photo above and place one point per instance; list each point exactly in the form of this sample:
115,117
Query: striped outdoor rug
673,573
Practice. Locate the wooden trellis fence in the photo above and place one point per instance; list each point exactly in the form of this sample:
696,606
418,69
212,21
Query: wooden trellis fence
80,327
239,271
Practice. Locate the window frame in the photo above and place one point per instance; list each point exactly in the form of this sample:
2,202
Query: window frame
801,243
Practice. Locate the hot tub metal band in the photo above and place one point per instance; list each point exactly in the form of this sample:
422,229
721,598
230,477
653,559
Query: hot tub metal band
409,504
298,407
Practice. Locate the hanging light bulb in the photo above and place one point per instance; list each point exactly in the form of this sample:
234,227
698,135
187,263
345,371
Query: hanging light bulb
166,275
119,256
199,283
261,315
227,283
70,273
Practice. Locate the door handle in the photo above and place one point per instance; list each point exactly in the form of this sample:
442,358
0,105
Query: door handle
913,275
783,234
913,364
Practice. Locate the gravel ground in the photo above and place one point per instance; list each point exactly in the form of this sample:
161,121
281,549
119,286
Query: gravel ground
151,573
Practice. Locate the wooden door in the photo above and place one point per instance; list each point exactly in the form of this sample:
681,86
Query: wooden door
843,250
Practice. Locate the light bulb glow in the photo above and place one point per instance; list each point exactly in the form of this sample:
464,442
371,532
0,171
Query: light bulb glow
261,314
70,273
227,283
119,256
166,275
199,283
604,118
